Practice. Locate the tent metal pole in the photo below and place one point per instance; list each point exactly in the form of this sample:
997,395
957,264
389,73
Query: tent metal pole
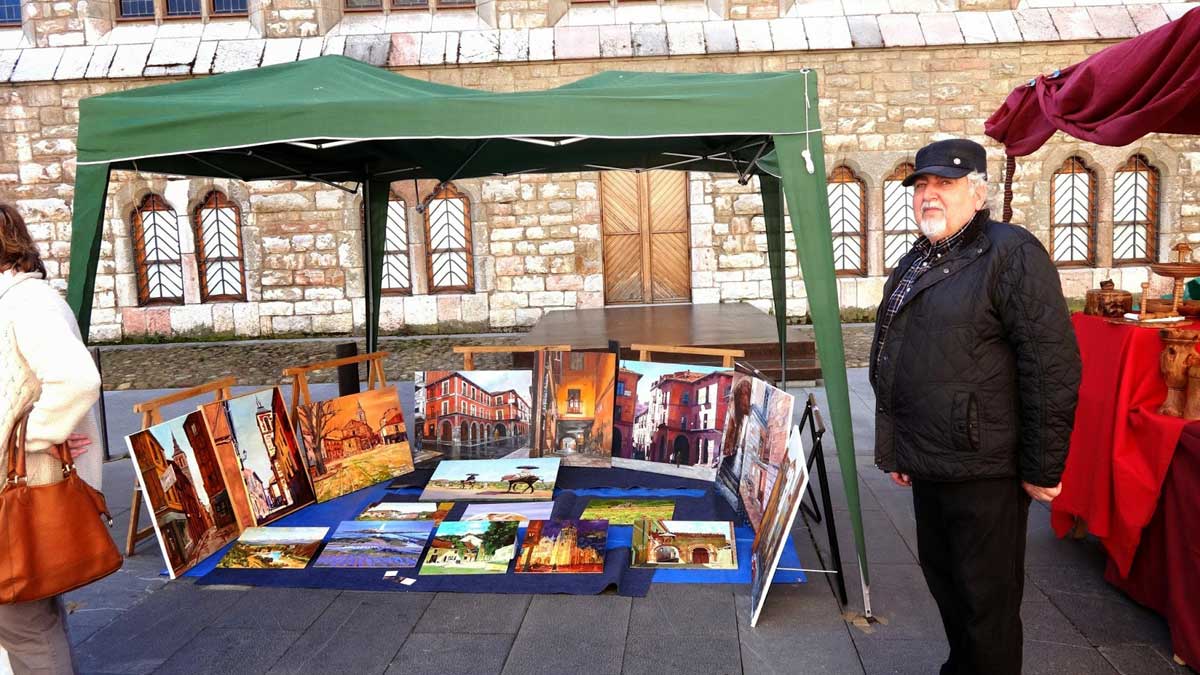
368,266
214,167
285,167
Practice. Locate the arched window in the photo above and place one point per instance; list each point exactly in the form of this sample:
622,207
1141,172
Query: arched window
397,275
1073,214
1135,211
157,258
219,261
448,233
848,218
899,222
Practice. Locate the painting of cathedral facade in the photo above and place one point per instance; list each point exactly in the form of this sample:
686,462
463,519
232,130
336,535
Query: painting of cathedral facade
573,407
258,453
564,547
185,490
355,441
677,544
473,414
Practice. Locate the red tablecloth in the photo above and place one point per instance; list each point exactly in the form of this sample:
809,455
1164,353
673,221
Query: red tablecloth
1121,447
1165,575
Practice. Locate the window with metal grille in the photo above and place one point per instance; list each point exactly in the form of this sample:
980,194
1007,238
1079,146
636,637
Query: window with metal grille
900,230
10,12
1135,211
157,259
183,8
137,9
448,233
574,401
228,7
1072,214
218,224
397,275
848,218
362,5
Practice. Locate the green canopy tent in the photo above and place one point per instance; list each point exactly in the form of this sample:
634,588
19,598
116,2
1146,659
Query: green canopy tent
338,121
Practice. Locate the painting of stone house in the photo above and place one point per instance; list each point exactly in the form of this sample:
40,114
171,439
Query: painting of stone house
477,547
684,544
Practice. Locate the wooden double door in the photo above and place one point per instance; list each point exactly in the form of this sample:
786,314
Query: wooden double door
647,248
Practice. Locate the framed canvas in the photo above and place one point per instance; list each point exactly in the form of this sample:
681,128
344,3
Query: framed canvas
274,548
573,407
563,547
684,544
477,414
627,511
385,510
352,442
186,494
471,548
492,480
754,442
511,511
779,516
379,543
259,456
670,418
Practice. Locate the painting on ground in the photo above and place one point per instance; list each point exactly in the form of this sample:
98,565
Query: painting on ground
185,490
274,548
627,511
564,547
406,511
259,456
755,441
379,543
573,407
473,414
669,418
491,480
686,544
471,548
779,517
354,441
513,511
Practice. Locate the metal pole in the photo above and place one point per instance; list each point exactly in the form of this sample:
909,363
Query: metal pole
348,380
102,417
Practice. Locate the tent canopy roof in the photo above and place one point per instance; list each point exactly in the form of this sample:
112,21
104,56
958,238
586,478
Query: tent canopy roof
337,119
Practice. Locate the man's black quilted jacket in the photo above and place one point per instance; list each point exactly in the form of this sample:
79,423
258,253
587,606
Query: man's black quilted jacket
979,374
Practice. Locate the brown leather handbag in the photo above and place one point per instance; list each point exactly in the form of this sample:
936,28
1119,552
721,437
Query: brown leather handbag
52,538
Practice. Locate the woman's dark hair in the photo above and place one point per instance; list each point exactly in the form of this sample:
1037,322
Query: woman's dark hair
17,249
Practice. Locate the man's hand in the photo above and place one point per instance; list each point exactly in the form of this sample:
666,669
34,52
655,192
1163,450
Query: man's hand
901,479
1042,494
78,444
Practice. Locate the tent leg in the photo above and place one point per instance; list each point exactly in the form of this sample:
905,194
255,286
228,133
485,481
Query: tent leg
375,198
772,196
87,232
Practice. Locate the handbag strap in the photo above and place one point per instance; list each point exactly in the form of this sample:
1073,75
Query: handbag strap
16,453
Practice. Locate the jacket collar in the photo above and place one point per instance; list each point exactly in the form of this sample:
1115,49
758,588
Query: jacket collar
10,278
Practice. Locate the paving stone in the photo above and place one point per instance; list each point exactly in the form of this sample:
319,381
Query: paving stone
541,44
290,609
74,63
649,39
514,45
719,37
435,654
828,33
335,44
1005,26
229,29
474,614
753,35
940,28
37,65
864,31
132,33
433,49
8,62
478,46
1048,658
1036,25
1141,660
975,27
696,610
166,71
787,35
13,39
823,646
357,633
406,50
310,47
370,49
1044,623
281,50
205,55
685,38
129,61
654,653
576,42
1113,22
906,657
1147,17
616,41
234,55
1073,23
452,48
220,651
571,633
901,30
173,51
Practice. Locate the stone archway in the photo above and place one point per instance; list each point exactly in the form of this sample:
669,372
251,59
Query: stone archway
501,431
474,432
447,433
700,556
464,432
680,451
666,554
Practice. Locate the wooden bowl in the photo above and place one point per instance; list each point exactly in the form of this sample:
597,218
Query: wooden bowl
1176,270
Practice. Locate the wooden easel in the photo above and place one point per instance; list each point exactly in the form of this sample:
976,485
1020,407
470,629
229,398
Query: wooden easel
152,414
469,351
299,375
727,355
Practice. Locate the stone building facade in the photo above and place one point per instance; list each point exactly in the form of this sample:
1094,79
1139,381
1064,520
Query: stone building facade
285,257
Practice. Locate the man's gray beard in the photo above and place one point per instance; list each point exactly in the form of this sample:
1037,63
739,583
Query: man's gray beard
932,227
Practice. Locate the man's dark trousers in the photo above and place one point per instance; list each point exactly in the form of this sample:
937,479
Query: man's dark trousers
971,543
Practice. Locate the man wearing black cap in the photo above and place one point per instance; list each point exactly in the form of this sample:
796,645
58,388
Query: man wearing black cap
976,371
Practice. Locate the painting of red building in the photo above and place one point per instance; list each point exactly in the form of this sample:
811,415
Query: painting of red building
625,411
473,414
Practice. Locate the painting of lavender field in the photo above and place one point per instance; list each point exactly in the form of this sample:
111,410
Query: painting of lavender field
379,543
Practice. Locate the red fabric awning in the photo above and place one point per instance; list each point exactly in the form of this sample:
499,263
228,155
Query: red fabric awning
1147,84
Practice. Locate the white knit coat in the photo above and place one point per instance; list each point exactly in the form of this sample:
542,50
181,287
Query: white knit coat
44,364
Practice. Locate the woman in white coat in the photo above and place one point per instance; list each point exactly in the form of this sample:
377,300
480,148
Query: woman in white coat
43,364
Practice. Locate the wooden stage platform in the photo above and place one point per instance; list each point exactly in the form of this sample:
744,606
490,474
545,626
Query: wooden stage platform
727,325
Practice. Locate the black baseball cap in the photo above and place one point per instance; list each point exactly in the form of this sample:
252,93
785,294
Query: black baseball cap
951,158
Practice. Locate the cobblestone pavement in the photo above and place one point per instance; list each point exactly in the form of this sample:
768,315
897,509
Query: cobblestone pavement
260,362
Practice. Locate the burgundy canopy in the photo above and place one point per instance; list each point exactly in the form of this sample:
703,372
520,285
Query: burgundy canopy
1147,84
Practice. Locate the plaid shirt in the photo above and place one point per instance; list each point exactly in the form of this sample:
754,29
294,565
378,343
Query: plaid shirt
930,253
